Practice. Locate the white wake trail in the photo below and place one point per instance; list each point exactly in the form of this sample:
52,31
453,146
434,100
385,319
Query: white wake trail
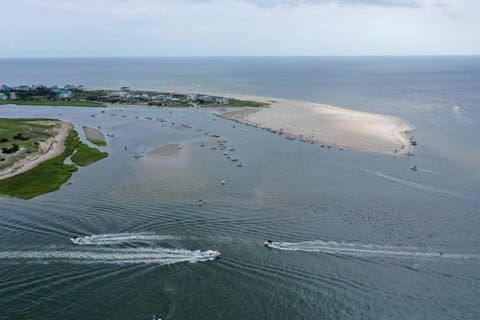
411,184
162,256
366,250
119,238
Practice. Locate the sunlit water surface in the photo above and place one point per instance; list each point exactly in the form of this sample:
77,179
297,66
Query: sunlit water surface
356,235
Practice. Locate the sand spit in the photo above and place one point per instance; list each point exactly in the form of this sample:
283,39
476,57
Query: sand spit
166,150
329,125
49,149
323,124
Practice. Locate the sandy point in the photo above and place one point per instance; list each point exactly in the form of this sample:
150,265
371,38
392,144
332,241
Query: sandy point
325,124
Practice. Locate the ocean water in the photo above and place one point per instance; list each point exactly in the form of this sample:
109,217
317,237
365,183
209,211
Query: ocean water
356,235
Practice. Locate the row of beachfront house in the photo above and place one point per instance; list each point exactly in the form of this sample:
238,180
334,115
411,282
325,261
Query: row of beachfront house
7,92
5,88
124,93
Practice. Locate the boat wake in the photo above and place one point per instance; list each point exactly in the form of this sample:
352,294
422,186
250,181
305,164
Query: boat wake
161,256
411,184
119,238
427,171
365,250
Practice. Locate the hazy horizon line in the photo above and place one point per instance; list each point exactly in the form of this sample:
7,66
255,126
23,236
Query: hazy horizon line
246,56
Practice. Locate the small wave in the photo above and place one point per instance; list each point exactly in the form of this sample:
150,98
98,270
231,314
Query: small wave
457,109
118,238
366,250
412,184
162,256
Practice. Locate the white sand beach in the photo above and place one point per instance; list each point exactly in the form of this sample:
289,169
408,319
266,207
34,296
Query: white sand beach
49,149
325,124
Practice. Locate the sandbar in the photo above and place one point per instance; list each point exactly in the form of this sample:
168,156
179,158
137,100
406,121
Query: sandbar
170,150
329,125
94,136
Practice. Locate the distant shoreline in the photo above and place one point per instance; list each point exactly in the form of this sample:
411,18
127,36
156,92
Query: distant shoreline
306,121
322,124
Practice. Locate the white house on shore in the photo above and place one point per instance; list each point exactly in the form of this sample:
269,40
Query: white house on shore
221,100
117,94
65,95
192,98
23,88
206,99
163,97
3,97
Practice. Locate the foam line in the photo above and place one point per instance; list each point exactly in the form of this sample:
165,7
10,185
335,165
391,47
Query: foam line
366,250
161,256
118,238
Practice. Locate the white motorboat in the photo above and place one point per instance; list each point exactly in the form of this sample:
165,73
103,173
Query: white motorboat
213,254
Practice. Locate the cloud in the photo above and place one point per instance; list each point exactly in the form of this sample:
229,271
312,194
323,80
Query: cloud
384,3
275,3
239,27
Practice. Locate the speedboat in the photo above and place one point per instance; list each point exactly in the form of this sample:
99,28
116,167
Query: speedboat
213,254
414,168
268,243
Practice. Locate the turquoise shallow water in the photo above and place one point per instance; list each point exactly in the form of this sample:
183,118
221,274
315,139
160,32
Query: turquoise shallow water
357,235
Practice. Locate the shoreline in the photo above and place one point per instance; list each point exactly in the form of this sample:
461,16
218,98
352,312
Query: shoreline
54,147
317,123
313,122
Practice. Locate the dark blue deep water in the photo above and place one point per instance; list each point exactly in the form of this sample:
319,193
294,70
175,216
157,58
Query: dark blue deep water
357,235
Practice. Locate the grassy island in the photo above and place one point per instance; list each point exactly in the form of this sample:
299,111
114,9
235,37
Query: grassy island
48,175
22,137
86,155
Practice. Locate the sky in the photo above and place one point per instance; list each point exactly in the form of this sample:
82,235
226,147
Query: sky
131,28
